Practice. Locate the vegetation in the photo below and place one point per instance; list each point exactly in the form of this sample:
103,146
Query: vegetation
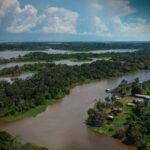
77,46
8,142
130,124
110,127
137,131
135,57
41,56
133,88
54,81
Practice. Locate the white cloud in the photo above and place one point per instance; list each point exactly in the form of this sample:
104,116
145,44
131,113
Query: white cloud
99,28
60,20
136,28
114,7
25,19
53,20
106,10
97,5
104,19
8,6
112,12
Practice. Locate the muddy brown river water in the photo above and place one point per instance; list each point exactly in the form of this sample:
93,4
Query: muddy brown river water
62,127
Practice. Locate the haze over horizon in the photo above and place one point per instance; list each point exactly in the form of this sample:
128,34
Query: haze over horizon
69,20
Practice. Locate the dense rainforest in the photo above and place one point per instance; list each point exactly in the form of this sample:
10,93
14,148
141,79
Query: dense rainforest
53,81
137,130
75,46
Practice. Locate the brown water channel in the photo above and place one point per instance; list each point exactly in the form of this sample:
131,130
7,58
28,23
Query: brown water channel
62,127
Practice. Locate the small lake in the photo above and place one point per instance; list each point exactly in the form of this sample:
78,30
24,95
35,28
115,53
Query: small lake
62,127
14,54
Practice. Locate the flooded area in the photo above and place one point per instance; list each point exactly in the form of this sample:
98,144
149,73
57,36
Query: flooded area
62,127
14,54
19,64
67,62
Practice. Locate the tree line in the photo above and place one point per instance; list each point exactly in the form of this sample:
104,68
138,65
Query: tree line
53,81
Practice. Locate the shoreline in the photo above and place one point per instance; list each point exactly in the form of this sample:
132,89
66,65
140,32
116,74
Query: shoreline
30,113
41,108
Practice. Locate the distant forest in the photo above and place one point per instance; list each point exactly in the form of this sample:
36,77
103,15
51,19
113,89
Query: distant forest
74,46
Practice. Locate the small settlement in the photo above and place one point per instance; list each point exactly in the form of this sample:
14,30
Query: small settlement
106,116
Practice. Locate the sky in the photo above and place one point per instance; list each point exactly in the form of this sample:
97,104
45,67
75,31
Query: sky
74,20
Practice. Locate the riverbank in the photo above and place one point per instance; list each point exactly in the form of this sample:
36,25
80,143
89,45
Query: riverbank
53,80
62,126
39,109
30,113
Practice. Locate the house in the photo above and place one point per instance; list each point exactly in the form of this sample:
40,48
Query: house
110,117
145,97
137,101
131,104
117,110
107,91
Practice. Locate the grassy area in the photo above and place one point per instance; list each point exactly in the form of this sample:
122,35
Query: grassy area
31,113
110,127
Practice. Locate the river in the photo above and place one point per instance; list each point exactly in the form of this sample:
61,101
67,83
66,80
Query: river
67,62
62,127
14,54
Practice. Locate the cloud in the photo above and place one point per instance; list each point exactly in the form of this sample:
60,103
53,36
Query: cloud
8,6
112,13
22,19
99,28
25,19
105,19
97,5
114,7
103,23
53,20
134,29
60,20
